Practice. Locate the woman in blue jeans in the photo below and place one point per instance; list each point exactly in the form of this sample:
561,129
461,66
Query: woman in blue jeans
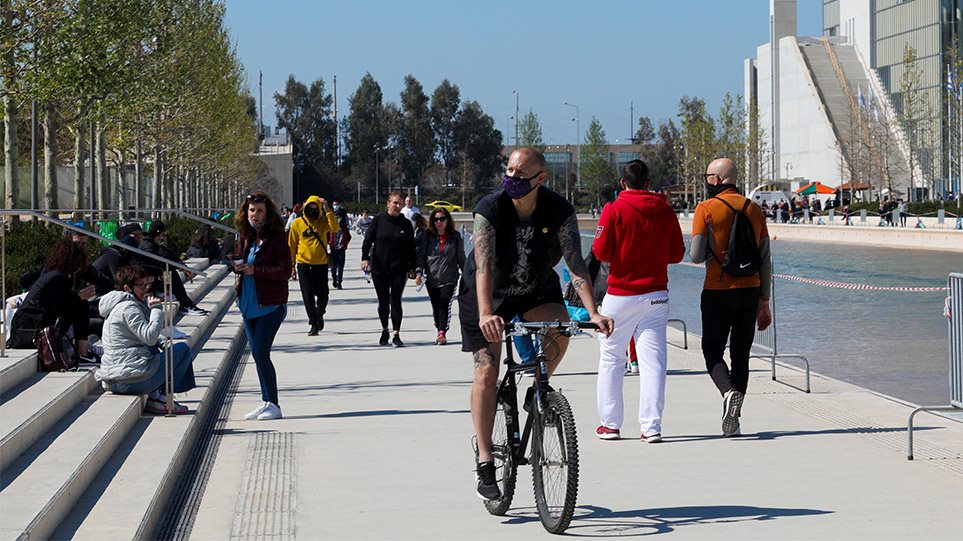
132,363
262,290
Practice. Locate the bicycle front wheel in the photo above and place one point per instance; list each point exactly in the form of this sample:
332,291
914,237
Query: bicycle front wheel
505,467
555,463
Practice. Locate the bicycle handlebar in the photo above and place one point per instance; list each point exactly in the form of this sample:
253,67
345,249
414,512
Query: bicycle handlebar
571,328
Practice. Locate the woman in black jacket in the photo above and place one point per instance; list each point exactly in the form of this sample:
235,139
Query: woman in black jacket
388,252
61,293
441,256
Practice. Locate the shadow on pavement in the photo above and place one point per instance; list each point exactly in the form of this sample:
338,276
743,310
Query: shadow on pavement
773,435
593,521
372,413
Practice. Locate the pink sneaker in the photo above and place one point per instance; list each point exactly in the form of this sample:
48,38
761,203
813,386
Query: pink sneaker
442,339
605,433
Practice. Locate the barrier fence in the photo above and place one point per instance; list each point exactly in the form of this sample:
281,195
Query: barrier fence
954,318
767,342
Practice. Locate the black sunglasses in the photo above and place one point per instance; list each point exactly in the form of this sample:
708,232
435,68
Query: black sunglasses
256,198
440,218
705,176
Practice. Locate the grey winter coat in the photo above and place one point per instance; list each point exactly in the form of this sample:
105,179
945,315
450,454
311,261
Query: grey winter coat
440,268
131,331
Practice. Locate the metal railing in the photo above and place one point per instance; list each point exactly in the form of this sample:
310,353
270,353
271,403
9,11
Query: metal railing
685,331
767,341
176,212
954,317
168,290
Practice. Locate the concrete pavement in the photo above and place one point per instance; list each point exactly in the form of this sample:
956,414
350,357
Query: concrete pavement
375,444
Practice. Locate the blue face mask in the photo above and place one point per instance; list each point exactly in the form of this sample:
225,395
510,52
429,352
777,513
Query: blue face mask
518,187
336,207
257,227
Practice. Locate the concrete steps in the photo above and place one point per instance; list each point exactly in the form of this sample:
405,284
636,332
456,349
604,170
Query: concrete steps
59,429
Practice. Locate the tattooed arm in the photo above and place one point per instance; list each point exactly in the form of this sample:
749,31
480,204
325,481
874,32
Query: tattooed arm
571,242
483,233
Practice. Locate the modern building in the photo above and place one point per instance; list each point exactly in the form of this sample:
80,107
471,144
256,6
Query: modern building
830,106
277,153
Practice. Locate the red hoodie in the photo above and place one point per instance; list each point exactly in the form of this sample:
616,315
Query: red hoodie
639,235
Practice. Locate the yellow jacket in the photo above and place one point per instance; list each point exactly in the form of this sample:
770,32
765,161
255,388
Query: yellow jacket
310,247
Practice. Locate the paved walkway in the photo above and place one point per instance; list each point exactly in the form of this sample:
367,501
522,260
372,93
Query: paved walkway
375,444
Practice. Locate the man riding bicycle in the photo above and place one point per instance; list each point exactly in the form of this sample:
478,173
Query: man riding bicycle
521,231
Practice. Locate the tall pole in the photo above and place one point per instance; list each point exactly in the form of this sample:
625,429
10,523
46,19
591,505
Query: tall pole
376,173
337,134
516,116
34,128
93,170
260,99
578,145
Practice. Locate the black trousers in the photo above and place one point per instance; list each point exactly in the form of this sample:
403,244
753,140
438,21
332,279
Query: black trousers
729,314
336,261
313,280
389,289
177,285
441,304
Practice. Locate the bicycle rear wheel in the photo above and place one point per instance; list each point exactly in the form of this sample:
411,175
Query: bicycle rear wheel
555,463
505,467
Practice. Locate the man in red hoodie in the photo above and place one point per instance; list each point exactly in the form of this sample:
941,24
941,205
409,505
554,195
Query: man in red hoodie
639,236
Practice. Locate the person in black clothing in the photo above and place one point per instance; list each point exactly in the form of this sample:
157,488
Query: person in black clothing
153,243
339,244
204,244
441,256
58,293
391,263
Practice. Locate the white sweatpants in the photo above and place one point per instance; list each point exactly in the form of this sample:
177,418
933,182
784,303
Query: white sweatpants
644,317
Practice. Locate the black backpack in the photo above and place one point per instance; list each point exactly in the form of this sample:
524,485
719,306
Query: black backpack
742,256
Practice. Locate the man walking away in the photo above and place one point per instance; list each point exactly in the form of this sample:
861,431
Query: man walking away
735,294
639,235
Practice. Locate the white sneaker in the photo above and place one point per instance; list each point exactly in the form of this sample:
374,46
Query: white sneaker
271,411
257,411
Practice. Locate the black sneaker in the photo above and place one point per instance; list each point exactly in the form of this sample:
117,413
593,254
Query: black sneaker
320,323
396,341
313,331
384,338
487,486
193,311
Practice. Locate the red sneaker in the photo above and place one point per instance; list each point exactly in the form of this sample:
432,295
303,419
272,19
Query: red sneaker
654,438
605,433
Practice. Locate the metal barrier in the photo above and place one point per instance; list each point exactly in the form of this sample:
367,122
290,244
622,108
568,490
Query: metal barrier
168,292
767,341
685,332
954,316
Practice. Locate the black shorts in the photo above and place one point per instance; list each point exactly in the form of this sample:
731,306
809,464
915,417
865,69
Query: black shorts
472,338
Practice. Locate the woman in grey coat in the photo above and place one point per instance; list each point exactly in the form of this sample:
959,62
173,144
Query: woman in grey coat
440,258
132,363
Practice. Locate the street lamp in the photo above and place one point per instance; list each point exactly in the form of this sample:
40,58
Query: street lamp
578,146
377,148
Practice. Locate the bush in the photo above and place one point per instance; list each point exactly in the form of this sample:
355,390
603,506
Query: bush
26,246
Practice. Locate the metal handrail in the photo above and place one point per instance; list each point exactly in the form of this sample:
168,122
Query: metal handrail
177,212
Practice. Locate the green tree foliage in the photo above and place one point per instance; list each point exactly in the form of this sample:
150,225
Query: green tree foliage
645,133
598,177
480,146
445,101
661,154
731,135
698,142
530,131
306,114
365,129
416,139
914,111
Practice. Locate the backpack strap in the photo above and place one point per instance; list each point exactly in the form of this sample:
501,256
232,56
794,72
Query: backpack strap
311,229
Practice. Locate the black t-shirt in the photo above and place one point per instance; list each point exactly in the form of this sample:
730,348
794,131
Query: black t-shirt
526,251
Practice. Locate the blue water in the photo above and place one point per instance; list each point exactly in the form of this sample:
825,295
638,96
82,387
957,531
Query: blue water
891,342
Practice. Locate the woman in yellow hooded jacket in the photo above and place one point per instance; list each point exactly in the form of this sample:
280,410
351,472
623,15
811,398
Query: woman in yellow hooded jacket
308,240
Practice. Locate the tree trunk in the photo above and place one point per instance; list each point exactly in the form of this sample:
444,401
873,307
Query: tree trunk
50,158
80,157
10,174
103,183
139,187
157,193
123,197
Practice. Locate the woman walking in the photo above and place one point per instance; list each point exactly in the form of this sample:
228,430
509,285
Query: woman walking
388,252
262,291
441,256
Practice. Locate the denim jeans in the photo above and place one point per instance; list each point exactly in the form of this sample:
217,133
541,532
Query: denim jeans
183,375
260,337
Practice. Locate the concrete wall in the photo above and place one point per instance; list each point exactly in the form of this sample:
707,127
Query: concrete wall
806,137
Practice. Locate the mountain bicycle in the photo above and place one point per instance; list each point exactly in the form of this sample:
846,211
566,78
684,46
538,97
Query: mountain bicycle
550,425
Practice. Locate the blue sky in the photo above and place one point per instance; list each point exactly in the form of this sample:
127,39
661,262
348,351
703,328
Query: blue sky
599,55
